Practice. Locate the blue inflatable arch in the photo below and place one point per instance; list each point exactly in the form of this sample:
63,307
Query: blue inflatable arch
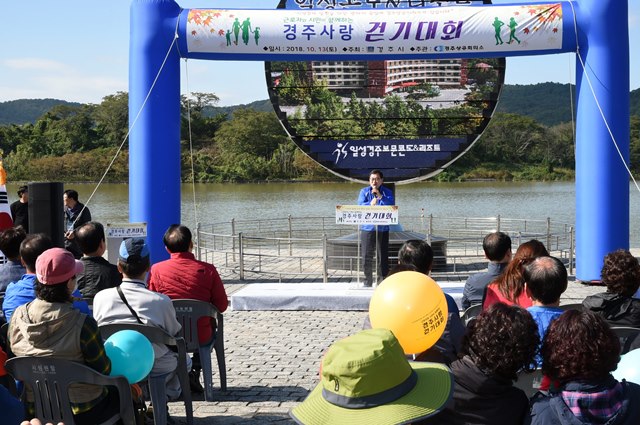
162,33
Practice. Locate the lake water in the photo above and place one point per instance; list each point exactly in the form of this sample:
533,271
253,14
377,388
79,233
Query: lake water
222,202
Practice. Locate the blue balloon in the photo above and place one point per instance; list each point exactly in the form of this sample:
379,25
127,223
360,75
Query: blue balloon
131,355
629,367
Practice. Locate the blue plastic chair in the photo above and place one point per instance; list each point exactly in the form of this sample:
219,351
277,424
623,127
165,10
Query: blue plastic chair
188,312
157,388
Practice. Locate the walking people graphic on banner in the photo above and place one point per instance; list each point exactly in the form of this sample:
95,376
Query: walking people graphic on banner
512,35
498,24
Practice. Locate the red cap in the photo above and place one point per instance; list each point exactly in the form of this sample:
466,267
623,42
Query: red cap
57,265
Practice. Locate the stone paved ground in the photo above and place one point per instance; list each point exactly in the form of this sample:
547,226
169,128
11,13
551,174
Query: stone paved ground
273,360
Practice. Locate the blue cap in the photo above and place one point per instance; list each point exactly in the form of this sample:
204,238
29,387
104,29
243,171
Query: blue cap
133,250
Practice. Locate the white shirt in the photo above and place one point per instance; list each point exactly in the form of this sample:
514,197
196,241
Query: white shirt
153,309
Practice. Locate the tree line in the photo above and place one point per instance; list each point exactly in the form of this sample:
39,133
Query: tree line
77,142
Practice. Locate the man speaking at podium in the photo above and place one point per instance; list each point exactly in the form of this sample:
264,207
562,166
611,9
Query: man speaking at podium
375,195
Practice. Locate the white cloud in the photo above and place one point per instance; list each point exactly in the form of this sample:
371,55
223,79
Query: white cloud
43,78
35,64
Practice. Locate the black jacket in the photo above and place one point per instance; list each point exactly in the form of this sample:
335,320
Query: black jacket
98,274
482,400
616,309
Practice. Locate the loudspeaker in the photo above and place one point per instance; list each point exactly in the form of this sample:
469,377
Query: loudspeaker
46,211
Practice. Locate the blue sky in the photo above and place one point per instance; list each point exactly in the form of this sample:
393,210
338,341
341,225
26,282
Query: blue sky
78,51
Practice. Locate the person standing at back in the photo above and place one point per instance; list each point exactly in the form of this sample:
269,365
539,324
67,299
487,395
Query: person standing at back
372,239
98,273
20,209
497,249
182,276
75,215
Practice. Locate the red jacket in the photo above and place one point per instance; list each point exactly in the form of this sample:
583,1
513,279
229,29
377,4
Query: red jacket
495,296
182,276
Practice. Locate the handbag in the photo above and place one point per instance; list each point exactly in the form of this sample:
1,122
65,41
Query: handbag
139,406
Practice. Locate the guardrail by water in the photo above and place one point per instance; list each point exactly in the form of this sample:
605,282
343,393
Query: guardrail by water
303,248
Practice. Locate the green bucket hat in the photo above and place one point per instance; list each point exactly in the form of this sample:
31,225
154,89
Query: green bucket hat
366,379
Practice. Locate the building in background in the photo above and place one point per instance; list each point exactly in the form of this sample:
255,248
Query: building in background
379,78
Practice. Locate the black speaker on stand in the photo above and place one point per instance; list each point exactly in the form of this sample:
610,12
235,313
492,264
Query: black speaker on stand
46,210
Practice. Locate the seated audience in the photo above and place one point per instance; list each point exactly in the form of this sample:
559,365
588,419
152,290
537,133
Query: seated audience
580,351
6,380
24,290
182,276
142,306
545,281
621,274
365,378
12,270
508,288
418,253
502,341
98,273
442,351
497,249
50,326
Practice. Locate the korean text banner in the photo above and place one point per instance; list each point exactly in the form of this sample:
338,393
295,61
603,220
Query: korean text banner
407,32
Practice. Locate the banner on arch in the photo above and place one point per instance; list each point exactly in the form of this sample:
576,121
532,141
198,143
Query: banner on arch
441,30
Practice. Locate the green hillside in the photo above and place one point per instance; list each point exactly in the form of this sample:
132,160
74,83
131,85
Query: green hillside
547,103
258,105
23,111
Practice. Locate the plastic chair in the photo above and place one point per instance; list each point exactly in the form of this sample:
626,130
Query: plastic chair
3,319
49,378
89,301
188,312
4,340
529,382
576,306
157,388
627,336
470,313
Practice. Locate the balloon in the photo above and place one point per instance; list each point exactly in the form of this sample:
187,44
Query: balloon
131,355
413,307
629,367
